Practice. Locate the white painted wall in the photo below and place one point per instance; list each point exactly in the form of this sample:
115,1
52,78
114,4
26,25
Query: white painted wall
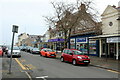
110,15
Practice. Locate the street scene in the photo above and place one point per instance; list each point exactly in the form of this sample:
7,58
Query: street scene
66,40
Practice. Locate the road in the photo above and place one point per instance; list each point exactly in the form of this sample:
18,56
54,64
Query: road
37,66
53,68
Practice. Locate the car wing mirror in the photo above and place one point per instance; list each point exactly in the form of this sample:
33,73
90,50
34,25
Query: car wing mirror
45,51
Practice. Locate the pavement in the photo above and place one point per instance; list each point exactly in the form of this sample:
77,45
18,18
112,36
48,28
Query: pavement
104,63
16,71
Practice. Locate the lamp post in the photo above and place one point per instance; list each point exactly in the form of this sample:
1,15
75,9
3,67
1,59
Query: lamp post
14,30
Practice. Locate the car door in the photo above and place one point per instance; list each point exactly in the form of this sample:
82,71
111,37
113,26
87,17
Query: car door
69,56
65,55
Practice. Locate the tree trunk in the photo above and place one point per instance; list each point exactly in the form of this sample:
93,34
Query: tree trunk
65,42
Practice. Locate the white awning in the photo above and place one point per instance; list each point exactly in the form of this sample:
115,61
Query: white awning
105,36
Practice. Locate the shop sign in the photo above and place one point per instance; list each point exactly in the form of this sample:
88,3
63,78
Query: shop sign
92,41
81,40
72,40
55,40
113,40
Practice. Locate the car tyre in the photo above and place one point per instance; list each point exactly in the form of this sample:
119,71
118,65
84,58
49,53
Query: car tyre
74,62
62,59
40,54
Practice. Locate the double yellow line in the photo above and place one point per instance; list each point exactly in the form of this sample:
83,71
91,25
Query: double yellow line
24,68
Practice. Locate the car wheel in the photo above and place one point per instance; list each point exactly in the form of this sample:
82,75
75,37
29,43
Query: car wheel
40,54
62,59
74,62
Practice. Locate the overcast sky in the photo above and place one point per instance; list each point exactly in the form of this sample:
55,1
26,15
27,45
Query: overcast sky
28,15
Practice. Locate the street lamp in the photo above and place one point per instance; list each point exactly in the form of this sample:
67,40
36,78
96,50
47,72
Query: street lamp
14,30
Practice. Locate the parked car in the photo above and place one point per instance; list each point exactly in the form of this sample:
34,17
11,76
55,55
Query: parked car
16,52
1,51
74,56
28,48
35,51
23,48
48,52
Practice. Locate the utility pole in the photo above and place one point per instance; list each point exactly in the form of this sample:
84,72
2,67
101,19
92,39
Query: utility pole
14,30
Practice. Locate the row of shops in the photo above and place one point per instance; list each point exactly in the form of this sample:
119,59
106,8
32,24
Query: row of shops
102,46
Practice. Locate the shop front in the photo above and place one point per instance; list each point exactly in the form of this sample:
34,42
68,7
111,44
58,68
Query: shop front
85,45
82,44
109,46
113,47
56,44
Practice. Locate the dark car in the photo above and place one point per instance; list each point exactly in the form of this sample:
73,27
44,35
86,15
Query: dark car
74,56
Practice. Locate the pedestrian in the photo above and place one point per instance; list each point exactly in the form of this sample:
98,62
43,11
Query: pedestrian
3,49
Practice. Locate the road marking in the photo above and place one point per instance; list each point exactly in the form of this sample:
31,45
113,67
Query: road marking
114,71
43,77
23,60
20,64
27,74
29,66
3,70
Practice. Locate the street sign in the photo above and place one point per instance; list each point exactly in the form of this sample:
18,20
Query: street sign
15,29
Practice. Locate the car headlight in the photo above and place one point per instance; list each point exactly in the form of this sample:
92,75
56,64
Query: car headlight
88,57
79,57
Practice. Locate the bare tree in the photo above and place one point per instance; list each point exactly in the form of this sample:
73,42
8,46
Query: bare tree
68,17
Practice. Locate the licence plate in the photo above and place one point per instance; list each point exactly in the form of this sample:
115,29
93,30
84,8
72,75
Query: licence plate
52,55
86,61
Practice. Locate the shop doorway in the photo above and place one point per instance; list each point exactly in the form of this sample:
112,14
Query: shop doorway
112,50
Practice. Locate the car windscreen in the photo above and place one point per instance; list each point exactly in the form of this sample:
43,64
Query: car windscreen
49,50
14,48
76,52
35,49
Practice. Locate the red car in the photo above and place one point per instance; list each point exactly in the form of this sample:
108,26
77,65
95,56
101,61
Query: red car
47,52
74,56
1,52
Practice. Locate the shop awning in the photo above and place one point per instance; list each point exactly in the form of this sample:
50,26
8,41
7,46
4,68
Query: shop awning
105,36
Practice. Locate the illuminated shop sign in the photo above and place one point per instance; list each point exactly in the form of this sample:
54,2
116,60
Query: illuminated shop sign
55,40
81,40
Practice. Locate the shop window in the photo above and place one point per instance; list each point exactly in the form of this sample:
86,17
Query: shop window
92,48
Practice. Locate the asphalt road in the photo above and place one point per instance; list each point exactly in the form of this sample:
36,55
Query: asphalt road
53,68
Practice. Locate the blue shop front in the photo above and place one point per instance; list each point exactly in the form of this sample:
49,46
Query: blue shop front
85,45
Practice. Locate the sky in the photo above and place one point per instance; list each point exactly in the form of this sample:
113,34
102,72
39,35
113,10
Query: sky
28,15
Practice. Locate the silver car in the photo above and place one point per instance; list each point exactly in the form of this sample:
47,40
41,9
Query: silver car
16,52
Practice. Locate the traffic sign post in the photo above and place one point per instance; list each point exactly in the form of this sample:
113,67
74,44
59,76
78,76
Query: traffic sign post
14,30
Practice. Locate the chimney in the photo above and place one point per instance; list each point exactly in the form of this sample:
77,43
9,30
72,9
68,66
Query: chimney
83,7
114,6
49,28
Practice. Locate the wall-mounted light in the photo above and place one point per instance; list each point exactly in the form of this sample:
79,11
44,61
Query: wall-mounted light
118,18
